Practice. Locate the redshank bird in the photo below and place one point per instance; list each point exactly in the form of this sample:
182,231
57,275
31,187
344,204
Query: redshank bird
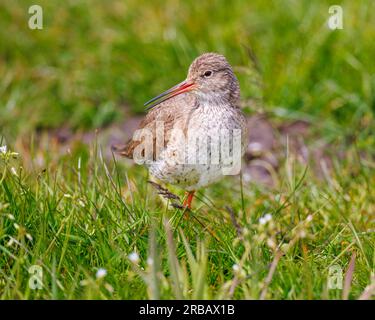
195,132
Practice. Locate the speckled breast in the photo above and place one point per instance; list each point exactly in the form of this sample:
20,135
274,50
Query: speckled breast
204,146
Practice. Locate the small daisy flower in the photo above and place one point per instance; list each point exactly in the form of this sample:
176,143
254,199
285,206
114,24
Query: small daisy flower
101,273
134,257
3,149
266,218
236,267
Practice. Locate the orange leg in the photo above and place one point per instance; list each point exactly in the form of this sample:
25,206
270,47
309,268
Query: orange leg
189,199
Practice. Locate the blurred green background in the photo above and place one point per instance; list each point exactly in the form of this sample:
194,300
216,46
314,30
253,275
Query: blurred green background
96,60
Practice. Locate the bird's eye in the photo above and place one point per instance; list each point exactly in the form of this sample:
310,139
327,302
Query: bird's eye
208,73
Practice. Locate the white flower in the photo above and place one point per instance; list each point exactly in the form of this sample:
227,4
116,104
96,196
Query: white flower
28,236
101,273
134,257
236,267
10,216
309,218
267,217
3,149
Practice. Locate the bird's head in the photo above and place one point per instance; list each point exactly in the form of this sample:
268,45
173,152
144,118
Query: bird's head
210,78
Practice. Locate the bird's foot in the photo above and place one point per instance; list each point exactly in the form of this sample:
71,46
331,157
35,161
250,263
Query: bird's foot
189,198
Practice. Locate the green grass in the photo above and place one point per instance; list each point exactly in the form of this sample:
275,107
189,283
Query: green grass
96,62
89,218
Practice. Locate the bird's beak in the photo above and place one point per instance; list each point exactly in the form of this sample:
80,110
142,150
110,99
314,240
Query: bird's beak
182,87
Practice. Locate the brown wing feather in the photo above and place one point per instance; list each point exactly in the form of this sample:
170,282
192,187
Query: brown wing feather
168,112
